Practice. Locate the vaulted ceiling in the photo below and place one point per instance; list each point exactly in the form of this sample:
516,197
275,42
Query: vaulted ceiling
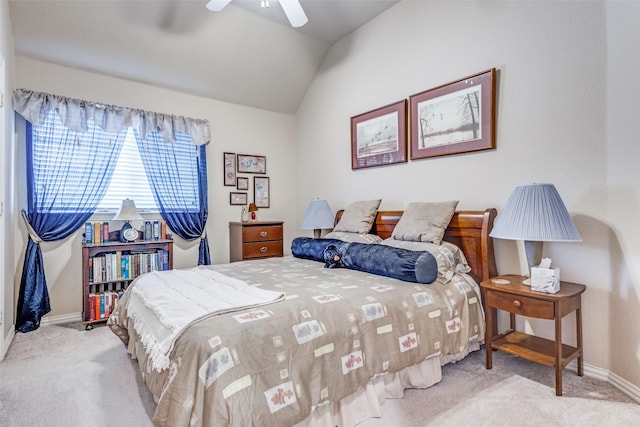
243,54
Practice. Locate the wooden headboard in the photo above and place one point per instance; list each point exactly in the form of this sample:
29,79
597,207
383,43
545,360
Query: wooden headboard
469,230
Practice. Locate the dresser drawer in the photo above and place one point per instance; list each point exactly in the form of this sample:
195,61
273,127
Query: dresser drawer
262,249
261,233
522,305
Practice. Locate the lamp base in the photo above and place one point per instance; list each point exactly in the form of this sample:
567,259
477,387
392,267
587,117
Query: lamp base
317,233
533,250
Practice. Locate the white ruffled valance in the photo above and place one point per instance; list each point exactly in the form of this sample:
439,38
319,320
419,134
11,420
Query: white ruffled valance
74,113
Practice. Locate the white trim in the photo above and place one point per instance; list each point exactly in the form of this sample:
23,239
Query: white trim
630,390
62,318
7,341
625,386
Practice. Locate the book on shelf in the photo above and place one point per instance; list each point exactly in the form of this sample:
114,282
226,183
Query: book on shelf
147,230
105,232
97,232
156,230
88,232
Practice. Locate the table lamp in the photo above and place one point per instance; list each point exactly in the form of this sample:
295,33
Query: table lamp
317,217
535,213
127,213
252,211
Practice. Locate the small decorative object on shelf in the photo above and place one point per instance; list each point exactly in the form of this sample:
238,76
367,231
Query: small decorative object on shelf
252,211
108,269
244,215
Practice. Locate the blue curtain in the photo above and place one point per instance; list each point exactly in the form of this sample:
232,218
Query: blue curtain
177,173
68,173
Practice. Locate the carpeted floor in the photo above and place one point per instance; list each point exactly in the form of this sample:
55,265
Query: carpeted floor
62,375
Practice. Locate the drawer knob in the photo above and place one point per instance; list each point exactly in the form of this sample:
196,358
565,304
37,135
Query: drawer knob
517,303
263,250
263,234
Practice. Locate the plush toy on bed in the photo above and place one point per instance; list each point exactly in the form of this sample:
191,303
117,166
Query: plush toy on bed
403,264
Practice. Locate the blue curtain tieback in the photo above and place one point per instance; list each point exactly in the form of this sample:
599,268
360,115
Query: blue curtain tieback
32,233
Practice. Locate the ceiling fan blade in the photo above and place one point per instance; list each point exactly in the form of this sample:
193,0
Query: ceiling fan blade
217,5
294,12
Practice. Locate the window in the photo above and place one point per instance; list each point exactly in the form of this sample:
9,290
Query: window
79,171
129,181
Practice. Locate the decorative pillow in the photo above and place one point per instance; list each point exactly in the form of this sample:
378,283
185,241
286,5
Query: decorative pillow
425,221
308,248
410,266
353,237
358,217
450,258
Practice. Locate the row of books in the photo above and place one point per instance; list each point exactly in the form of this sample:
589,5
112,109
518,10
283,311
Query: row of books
126,265
98,232
102,304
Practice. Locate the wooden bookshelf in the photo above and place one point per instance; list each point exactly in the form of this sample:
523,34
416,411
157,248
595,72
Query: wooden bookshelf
141,256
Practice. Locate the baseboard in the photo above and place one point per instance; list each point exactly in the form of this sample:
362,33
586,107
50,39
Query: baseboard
7,341
62,318
621,384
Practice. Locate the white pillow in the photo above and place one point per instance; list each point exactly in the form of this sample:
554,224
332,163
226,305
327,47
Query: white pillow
449,257
425,221
353,237
358,217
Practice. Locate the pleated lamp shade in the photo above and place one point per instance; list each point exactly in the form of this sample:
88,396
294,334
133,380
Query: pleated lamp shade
317,217
535,213
128,211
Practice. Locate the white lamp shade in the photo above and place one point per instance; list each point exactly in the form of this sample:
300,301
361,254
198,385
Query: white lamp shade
535,213
317,216
127,211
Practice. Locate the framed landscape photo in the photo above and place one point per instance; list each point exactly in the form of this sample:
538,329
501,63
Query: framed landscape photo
261,194
457,117
252,164
379,137
242,183
229,169
236,198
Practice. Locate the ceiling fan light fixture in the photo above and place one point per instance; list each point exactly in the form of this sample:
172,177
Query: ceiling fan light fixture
295,13
217,5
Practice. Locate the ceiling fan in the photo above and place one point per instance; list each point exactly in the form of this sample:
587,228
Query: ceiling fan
292,9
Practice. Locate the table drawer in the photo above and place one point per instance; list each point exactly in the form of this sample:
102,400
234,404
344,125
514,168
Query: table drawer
262,249
522,305
261,233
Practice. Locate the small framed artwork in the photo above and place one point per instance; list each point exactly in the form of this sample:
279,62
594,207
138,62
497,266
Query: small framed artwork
229,169
261,196
242,183
236,198
457,117
379,137
252,164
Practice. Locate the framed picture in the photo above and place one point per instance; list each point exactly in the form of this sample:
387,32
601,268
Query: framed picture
237,198
242,183
252,164
458,117
229,169
379,137
261,191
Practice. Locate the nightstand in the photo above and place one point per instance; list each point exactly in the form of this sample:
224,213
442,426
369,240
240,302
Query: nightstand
256,239
509,294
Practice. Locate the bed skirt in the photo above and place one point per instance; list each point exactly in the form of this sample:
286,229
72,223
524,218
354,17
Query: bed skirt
368,401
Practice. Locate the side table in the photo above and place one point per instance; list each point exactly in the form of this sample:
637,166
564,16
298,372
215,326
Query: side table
509,294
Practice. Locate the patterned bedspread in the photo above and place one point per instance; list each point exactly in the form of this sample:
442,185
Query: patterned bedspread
336,329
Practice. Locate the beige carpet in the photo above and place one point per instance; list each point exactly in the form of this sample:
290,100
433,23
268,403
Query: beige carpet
64,376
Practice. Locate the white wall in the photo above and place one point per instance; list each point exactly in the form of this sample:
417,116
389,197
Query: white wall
234,129
551,127
7,183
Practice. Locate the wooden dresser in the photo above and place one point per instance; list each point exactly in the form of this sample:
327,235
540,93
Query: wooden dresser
254,240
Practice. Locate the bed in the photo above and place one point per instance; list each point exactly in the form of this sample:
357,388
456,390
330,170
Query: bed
329,350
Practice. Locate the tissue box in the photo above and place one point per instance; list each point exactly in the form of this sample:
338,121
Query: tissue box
545,280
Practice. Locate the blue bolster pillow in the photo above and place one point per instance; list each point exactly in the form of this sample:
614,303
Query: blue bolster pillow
308,248
383,260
